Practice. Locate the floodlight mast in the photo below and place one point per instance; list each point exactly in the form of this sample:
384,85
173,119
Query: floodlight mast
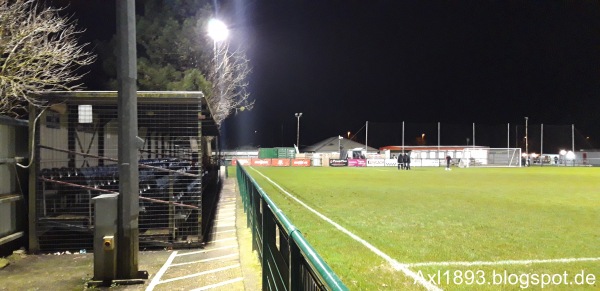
127,247
340,145
298,115
526,141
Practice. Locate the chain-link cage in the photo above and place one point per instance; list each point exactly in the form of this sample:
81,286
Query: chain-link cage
77,159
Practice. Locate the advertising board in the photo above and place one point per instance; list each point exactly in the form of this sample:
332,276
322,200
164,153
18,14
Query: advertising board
338,163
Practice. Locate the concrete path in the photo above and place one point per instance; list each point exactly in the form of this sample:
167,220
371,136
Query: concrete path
217,266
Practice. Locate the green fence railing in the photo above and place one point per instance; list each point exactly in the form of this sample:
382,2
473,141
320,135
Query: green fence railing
288,261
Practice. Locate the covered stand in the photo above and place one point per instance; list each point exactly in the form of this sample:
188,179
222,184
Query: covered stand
76,143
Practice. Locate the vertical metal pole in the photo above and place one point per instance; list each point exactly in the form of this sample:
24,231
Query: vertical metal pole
402,137
508,141
473,134
295,257
267,232
438,154
542,141
34,243
526,138
340,146
298,115
573,137
366,137
508,135
128,247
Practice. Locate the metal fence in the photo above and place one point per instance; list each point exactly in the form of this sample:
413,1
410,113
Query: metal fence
288,261
13,217
533,137
77,160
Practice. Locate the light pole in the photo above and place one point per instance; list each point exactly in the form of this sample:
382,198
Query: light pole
340,145
526,141
298,115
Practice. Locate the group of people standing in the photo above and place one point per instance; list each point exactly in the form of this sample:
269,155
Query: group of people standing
403,162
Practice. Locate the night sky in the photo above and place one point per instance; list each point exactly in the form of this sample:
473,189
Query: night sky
342,63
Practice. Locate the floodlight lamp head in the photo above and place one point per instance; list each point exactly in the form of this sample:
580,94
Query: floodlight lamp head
298,114
217,30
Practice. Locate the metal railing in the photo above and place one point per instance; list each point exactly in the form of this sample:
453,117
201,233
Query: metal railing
288,261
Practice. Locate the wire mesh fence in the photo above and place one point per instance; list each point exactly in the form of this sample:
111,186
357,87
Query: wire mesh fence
77,160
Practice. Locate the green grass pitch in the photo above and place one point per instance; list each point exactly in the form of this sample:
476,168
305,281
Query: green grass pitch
480,216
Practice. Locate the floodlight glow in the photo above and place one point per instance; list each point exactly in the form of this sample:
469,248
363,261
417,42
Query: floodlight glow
534,155
562,152
217,30
570,155
524,155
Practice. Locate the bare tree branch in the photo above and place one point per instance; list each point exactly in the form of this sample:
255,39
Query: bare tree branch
39,52
229,83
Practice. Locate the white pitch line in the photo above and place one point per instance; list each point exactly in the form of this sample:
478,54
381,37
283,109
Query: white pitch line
200,274
395,264
206,260
504,262
206,251
156,280
219,284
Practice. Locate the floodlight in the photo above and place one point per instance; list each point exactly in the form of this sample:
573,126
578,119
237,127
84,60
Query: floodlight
217,30
563,152
570,155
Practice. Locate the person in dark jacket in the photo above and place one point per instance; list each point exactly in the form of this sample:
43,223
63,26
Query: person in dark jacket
406,162
400,162
448,159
